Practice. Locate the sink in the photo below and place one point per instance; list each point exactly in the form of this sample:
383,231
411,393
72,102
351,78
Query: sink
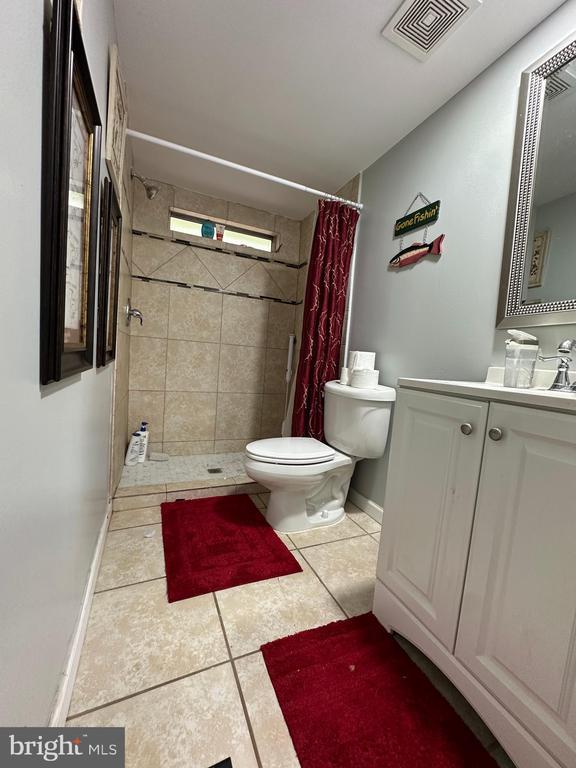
538,396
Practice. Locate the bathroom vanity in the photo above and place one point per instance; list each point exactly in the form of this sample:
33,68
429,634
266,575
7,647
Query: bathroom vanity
477,561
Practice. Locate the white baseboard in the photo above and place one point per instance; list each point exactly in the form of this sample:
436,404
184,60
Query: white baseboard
366,505
64,694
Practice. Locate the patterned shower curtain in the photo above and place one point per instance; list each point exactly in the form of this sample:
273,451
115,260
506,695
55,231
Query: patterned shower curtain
324,309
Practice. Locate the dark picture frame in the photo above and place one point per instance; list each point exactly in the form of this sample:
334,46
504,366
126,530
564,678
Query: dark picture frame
108,274
71,154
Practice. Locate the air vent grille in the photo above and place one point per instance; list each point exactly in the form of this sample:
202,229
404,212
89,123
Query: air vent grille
420,25
556,85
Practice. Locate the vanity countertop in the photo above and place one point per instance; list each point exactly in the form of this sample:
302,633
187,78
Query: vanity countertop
536,397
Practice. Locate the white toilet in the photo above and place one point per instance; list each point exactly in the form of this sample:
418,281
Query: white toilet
308,479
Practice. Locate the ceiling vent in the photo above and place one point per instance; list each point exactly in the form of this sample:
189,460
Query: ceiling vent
558,83
420,26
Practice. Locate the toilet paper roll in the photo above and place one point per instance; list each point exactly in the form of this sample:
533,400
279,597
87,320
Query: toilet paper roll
364,378
359,359
345,376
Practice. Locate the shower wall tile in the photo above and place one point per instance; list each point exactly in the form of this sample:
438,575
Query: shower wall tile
194,315
288,239
188,448
302,278
244,321
149,255
230,446
119,429
272,415
153,215
122,365
124,291
275,371
224,267
285,279
147,406
206,370
189,415
152,300
188,200
238,416
147,363
258,281
307,226
186,267
241,369
192,366
251,217
280,325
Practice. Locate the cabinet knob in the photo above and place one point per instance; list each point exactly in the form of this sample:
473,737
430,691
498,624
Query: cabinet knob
466,429
495,434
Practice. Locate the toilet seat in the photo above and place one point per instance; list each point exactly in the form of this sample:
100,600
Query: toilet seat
290,451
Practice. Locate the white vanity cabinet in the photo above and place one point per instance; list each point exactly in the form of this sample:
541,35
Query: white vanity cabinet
477,561
433,475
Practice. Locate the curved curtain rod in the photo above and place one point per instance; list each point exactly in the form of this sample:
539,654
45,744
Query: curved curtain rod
242,168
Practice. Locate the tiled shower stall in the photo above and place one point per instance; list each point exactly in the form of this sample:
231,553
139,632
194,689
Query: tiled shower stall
207,368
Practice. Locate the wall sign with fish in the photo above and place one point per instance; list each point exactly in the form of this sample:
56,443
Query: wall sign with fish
412,220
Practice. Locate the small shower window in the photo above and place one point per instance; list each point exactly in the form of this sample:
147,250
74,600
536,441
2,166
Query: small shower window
234,234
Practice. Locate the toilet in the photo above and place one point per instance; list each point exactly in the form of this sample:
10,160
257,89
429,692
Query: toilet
309,480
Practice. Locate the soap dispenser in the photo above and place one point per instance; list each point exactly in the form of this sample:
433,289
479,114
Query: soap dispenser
521,356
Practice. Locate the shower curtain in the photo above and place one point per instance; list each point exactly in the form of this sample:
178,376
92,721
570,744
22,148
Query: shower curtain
324,309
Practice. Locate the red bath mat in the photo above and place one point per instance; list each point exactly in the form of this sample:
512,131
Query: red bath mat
351,697
219,542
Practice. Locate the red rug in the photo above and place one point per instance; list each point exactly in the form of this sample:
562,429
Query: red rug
352,698
219,542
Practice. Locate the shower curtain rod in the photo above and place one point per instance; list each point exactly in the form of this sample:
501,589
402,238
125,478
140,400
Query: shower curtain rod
242,168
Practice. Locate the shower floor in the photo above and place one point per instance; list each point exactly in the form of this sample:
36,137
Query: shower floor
211,468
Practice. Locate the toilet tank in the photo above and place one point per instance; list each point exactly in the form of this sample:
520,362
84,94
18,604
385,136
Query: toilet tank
356,421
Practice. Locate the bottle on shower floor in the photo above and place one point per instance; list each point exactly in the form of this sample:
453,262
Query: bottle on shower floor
144,435
133,451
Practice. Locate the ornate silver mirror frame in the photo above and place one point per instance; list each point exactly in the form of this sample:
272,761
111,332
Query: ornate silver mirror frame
512,312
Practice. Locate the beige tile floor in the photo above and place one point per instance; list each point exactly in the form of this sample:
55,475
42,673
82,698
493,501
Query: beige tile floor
187,679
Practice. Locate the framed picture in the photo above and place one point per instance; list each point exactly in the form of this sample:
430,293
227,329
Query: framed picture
538,259
108,274
71,178
117,122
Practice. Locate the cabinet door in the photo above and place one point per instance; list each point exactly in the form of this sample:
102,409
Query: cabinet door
429,505
517,630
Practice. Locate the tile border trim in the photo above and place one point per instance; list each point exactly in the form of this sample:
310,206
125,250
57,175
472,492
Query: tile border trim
226,251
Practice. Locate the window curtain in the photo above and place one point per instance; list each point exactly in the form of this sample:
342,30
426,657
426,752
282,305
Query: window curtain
324,309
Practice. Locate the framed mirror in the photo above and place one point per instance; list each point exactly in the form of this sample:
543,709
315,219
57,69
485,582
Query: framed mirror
538,280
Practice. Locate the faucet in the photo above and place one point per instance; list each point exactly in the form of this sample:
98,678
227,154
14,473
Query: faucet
131,312
561,382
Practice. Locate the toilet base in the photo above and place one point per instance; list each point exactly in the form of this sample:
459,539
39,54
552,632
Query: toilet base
299,502
288,512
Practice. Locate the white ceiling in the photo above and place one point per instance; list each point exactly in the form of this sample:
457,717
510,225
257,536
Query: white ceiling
304,89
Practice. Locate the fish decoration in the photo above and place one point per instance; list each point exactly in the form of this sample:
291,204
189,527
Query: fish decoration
415,252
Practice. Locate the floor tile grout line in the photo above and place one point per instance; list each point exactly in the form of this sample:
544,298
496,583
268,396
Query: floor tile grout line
245,655
131,584
238,685
145,690
324,585
131,527
334,541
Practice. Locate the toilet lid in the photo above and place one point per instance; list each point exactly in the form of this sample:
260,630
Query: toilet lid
290,450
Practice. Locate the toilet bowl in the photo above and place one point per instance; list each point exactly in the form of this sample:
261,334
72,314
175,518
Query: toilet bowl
308,479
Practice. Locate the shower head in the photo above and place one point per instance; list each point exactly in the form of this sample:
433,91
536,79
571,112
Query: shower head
151,189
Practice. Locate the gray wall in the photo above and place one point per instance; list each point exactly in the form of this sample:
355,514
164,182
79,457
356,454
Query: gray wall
436,319
54,452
